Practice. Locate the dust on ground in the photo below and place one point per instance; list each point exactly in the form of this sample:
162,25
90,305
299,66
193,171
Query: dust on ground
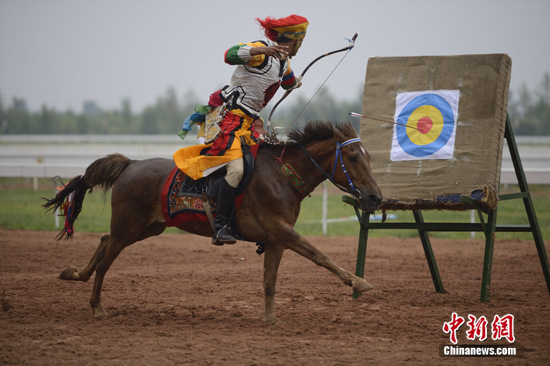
176,299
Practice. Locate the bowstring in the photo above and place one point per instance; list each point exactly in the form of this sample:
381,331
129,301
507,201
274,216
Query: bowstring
317,91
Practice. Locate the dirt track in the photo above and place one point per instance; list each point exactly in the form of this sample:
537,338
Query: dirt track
176,299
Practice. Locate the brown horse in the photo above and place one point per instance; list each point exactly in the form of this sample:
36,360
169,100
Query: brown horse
268,212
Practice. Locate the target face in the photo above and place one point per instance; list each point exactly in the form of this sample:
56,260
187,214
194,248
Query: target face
425,125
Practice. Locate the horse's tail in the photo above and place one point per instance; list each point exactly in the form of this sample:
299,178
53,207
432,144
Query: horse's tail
102,172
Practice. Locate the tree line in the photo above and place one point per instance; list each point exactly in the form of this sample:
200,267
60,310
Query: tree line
165,116
529,111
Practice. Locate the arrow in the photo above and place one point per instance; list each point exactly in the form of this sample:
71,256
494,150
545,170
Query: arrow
353,114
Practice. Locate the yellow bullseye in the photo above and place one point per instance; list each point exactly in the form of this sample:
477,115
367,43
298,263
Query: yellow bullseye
429,123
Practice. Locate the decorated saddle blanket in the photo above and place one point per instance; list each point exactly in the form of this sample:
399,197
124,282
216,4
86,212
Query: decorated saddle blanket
182,198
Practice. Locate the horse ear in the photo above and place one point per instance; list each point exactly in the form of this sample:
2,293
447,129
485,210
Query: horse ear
336,130
348,130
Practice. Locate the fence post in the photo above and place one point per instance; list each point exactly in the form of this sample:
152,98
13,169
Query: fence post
325,207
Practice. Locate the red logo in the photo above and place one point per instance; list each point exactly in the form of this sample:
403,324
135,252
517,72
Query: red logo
477,328
501,327
452,326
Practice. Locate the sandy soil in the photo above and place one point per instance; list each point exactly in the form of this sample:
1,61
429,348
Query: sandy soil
176,299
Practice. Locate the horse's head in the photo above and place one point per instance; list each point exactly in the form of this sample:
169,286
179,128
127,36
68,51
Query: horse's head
351,168
343,160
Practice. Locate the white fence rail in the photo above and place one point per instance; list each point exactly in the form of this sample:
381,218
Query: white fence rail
47,156
30,170
533,175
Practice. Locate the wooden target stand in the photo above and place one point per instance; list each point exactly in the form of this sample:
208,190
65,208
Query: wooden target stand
487,225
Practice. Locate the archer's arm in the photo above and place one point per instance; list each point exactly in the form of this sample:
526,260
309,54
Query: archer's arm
253,54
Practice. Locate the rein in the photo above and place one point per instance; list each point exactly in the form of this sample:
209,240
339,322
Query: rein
338,156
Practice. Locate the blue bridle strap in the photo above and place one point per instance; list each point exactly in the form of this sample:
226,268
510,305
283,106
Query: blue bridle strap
351,141
338,156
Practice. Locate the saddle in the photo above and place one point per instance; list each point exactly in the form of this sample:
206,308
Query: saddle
183,198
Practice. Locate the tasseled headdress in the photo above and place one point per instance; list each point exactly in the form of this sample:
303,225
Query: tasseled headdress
291,27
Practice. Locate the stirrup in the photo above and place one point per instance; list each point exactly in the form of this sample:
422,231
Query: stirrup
223,236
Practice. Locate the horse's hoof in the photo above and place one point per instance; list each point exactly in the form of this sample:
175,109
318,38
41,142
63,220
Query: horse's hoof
70,273
100,314
272,320
361,286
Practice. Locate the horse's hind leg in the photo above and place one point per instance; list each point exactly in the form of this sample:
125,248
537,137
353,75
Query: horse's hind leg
74,274
105,254
272,259
111,250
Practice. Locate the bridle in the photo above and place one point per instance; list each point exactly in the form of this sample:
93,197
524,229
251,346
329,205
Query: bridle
353,190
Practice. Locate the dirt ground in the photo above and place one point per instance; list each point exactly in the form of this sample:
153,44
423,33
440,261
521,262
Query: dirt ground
176,299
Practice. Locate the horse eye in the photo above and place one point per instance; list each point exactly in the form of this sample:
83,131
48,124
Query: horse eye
353,158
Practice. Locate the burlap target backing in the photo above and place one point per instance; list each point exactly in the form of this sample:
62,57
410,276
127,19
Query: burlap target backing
451,114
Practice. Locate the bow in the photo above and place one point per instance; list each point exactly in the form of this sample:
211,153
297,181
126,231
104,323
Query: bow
347,48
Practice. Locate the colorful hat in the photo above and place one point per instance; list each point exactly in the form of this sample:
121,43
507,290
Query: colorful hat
293,27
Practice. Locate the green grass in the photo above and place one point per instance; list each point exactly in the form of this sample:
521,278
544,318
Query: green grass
21,208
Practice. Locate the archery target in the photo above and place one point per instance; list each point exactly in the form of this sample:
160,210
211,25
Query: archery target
425,125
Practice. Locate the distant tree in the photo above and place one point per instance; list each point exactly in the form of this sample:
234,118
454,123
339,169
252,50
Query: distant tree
149,121
46,121
545,89
67,123
82,124
530,111
18,117
90,108
127,116
3,117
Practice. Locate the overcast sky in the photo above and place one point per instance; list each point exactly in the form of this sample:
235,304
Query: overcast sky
60,53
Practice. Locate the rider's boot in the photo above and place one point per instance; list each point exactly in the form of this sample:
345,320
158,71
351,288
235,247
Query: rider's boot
226,201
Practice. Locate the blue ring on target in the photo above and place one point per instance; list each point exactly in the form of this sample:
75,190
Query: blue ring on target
422,151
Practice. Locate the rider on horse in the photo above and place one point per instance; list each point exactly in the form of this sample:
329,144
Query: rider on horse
262,66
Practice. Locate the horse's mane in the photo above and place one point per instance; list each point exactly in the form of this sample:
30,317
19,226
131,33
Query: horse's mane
318,131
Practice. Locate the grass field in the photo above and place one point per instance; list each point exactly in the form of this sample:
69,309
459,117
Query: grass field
21,208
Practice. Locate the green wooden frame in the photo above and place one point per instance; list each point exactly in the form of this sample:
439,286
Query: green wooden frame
488,227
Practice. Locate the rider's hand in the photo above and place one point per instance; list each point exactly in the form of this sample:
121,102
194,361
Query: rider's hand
298,83
278,51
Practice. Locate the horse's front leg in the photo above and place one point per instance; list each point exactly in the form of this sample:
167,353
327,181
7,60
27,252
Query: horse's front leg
300,245
272,259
